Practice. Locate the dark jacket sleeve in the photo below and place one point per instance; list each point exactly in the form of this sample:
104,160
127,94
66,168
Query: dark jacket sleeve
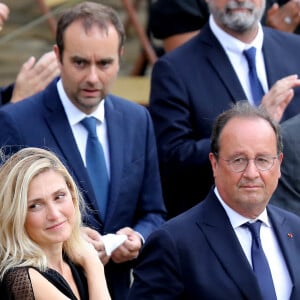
6,94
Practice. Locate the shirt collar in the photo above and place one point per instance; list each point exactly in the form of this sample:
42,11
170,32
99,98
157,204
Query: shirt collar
232,44
238,220
74,114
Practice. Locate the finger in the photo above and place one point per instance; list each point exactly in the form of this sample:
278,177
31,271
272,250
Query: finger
273,9
4,12
105,259
119,256
125,230
91,233
28,64
44,64
46,59
99,246
102,254
46,77
285,84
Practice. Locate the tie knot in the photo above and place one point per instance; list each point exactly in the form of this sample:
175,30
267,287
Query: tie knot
254,229
250,56
90,125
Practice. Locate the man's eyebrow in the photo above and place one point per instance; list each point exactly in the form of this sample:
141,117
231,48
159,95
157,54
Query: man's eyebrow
106,60
76,57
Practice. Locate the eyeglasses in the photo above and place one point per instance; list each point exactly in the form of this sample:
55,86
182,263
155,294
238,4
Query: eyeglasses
240,163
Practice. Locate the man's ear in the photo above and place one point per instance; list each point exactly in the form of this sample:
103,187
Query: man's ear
213,162
57,53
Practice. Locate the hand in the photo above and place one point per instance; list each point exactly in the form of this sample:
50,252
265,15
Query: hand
4,12
85,254
94,237
130,248
279,96
34,77
285,17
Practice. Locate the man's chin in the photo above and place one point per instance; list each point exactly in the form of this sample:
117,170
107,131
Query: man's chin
88,104
240,21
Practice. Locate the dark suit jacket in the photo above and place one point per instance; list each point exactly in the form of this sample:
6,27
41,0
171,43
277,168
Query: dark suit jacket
190,87
198,256
287,194
135,196
6,94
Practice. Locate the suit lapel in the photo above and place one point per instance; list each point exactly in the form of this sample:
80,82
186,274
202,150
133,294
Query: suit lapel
116,138
221,237
275,69
221,64
58,125
284,234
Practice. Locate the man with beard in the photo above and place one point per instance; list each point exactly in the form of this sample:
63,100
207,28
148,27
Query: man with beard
175,21
210,252
89,44
193,84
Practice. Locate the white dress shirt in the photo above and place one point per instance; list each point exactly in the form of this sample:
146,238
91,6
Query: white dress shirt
234,49
75,116
280,274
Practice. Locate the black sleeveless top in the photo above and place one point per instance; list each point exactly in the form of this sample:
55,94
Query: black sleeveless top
16,284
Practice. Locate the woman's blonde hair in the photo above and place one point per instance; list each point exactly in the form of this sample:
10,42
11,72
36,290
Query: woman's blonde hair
16,174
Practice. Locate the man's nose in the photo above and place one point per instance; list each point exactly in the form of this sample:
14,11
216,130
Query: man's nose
251,169
93,74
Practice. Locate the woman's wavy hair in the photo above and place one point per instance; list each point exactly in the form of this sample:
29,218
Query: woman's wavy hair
16,174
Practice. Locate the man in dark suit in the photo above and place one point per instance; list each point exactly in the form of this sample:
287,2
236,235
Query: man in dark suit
208,252
90,40
194,83
287,194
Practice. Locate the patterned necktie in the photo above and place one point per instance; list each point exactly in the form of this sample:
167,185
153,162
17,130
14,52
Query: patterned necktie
95,164
260,264
256,88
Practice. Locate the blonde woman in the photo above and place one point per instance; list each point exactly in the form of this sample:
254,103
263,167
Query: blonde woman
42,252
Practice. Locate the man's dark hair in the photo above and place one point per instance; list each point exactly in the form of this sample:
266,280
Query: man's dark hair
242,109
90,13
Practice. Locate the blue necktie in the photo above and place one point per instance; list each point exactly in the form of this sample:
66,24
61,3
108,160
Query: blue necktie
260,264
256,88
95,164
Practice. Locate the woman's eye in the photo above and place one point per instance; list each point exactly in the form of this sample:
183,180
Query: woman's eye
60,196
34,206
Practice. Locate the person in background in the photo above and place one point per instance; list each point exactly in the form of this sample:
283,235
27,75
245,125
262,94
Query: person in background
75,116
33,76
211,251
174,22
283,15
287,194
4,13
43,254
188,94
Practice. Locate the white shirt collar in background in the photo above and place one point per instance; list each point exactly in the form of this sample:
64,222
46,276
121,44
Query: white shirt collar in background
234,49
74,116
